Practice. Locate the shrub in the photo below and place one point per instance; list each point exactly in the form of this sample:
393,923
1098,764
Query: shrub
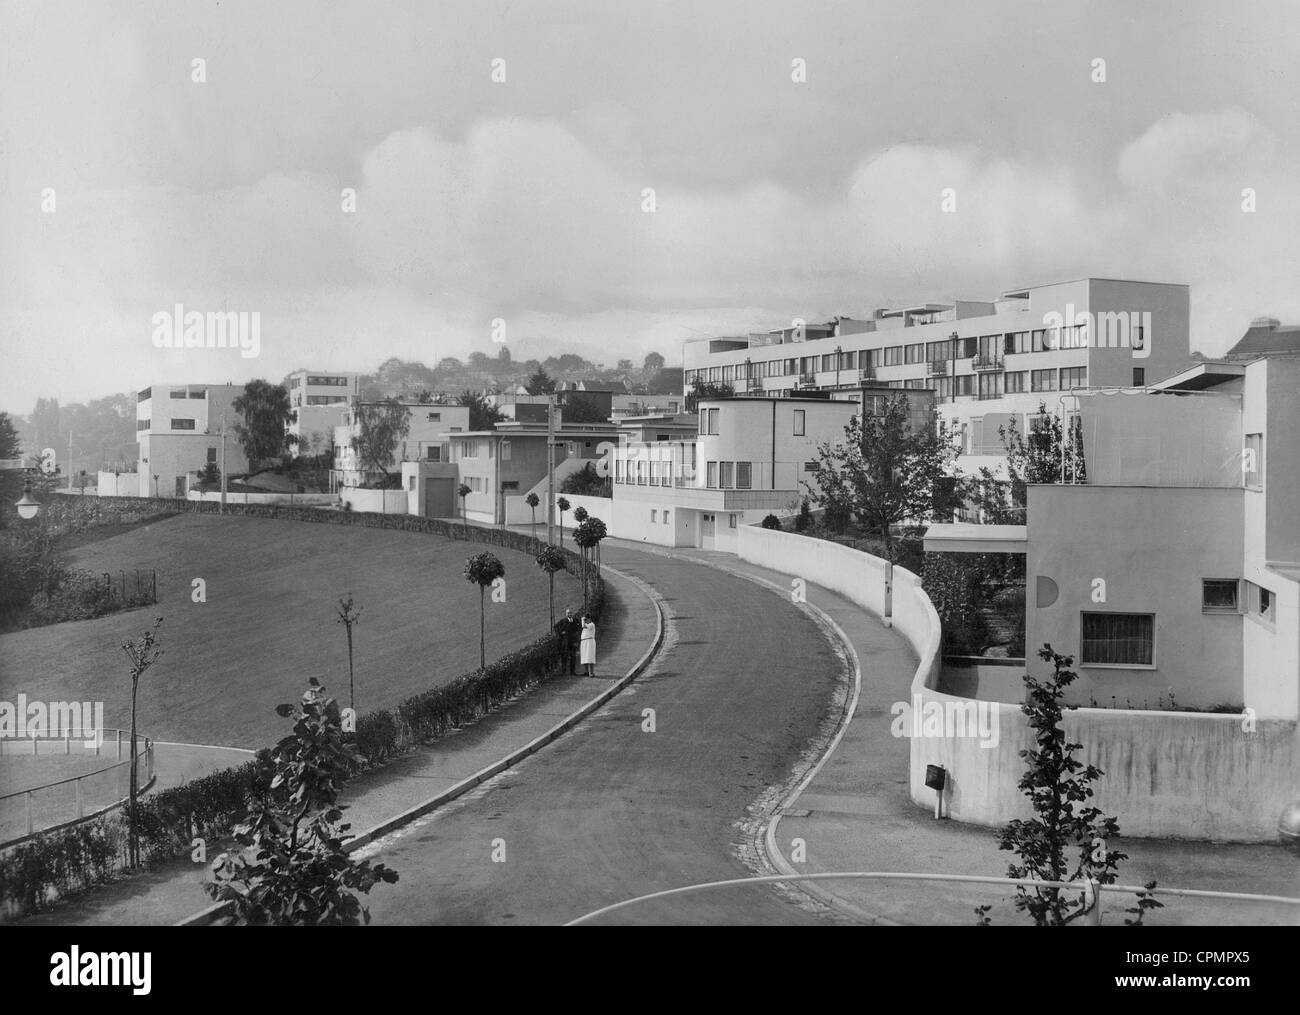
772,522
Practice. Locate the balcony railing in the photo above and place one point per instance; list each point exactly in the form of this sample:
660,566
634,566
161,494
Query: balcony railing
807,380
753,384
987,362
936,366
866,373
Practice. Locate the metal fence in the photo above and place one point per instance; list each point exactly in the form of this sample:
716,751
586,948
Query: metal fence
32,809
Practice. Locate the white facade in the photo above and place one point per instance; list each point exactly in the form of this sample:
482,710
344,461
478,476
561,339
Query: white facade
319,402
178,430
750,459
427,441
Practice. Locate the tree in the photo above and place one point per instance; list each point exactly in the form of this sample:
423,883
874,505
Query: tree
580,514
588,535
1033,457
884,473
540,383
550,560
10,446
1068,840
482,414
503,355
142,654
586,482
563,504
462,492
706,389
532,502
582,408
46,424
264,413
624,365
11,480
380,426
653,361
349,616
483,569
291,867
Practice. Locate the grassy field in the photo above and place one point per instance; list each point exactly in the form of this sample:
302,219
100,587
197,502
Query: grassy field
269,624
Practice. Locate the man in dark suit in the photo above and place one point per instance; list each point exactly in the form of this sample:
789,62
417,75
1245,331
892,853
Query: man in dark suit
569,631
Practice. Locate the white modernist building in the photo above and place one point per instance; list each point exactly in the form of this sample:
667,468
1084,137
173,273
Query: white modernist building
988,362
749,459
178,430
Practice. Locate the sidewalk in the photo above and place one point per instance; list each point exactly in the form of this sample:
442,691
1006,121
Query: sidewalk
172,892
857,815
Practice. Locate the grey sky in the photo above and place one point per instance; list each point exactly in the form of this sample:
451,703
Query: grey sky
522,200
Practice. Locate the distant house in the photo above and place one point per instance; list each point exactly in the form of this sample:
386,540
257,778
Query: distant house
178,432
428,440
318,401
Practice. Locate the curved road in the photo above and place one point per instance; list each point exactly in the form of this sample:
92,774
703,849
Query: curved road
609,811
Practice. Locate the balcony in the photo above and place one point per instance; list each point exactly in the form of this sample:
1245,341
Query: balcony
753,384
866,373
937,367
806,380
984,363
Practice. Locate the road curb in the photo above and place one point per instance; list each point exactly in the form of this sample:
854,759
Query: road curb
206,916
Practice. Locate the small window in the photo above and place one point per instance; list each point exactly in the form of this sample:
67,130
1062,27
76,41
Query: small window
1139,377
654,515
731,519
743,475
1218,595
435,417
212,456
1252,461
665,516
182,424
410,485
711,474
1118,639
726,475
809,466
799,422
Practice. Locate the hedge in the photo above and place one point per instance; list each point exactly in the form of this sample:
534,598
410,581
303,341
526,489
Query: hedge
34,875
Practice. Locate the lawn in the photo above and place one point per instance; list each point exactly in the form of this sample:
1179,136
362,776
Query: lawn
269,624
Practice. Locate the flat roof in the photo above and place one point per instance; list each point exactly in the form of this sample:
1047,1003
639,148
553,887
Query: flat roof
1200,376
967,537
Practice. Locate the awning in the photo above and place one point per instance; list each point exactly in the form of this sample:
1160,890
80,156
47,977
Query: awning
966,537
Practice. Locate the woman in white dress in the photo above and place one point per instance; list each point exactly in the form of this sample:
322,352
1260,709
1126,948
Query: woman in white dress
588,645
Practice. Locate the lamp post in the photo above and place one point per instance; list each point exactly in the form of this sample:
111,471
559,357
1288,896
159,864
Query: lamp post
28,507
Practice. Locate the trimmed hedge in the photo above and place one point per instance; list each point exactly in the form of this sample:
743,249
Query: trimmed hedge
36,874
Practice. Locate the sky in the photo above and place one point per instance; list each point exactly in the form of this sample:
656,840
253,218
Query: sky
127,186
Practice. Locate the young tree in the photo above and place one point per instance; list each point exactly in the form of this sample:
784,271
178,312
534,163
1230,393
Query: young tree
462,492
142,653
264,413
550,560
563,504
209,476
653,361
532,502
291,867
1032,457
886,472
1068,840
706,389
381,425
588,535
483,569
349,616
580,514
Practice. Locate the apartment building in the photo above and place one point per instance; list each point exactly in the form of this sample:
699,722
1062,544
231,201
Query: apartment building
988,362
1174,571
178,432
748,459
503,465
319,402
428,440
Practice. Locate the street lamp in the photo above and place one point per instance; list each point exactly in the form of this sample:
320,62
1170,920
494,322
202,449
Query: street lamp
28,508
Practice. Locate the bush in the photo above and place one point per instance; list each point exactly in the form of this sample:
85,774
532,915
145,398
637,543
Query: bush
586,482
804,518
772,522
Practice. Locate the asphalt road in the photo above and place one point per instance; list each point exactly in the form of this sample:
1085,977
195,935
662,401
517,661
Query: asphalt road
611,811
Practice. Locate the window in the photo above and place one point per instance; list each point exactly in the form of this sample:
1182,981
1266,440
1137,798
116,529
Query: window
726,475
212,456
1037,340
711,475
1018,341
1139,377
654,515
1118,639
1252,461
144,396
937,352
640,473
1259,602
618,470
318,381
731,521
799,422
915,353
175,394
182,424
410,484
1074,377
1219,595
435,417
743,475
988,385
893,355
433,453
1016,381
967,347
468,449
708,421
666,473
809,466
505,451
665,516
1043,380
964,385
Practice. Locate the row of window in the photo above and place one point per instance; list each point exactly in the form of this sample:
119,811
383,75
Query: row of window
728,475
176,424
986,346
193,393
1237,595
319,381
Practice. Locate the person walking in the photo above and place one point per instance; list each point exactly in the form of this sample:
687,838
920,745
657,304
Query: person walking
568,630
589,645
